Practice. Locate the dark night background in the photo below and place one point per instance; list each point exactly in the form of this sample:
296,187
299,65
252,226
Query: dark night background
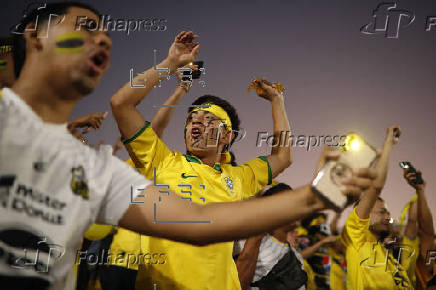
337,79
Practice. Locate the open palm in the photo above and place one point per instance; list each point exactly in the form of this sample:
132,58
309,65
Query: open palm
184,49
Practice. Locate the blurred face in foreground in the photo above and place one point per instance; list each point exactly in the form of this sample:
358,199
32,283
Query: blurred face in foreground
74,57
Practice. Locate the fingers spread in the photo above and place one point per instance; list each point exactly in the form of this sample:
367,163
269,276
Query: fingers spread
179,36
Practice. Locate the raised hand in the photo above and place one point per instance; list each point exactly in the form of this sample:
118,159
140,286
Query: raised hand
185,85
268,90
90,121
183,50
411,178
392,134
353,187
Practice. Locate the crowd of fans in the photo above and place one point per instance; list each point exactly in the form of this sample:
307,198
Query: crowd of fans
204,236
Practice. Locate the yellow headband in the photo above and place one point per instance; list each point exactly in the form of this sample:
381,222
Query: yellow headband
217,111
223,116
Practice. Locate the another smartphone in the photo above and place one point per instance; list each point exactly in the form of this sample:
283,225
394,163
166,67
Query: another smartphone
356,153
408,165
195,73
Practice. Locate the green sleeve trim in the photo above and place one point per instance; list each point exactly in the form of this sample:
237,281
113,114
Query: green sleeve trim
194,159
217,167
128,140
269,169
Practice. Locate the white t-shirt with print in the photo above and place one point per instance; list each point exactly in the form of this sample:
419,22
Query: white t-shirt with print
52,188
271,251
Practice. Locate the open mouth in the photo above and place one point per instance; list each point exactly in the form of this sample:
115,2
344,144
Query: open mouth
195,133
98,62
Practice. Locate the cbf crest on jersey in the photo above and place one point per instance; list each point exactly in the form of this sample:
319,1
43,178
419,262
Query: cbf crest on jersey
229,185
79,183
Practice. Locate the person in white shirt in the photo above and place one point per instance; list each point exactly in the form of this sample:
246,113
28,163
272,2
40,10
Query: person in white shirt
256,257
52,187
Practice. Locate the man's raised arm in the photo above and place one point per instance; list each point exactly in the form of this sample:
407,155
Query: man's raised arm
281,155
425,217
124,102
163,115
227,221
370,196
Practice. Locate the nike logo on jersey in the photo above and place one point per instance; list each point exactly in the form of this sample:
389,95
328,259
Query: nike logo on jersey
187,176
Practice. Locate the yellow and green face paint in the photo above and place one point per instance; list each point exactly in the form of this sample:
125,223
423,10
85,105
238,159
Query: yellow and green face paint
3,64
70,42
4,49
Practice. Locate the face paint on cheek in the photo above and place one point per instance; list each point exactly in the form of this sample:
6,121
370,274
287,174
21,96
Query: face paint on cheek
70,42
3,64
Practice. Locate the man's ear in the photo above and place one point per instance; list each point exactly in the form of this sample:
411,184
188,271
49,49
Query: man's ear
226,136
33,42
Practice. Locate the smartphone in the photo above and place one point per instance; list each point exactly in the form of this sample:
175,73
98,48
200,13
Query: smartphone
355,153
408,165
195,73
396,134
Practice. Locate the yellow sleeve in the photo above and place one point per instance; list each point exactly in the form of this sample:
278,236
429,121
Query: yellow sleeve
256,174
146,151
355,231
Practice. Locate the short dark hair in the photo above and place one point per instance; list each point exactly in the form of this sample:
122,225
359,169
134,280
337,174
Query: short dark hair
276,189
230,110
233,159
42,15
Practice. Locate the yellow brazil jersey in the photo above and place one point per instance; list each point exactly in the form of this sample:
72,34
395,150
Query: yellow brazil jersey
409,254
186,266
369,264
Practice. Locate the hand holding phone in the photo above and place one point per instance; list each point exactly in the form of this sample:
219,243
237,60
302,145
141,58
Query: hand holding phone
330,181
407,165
195,73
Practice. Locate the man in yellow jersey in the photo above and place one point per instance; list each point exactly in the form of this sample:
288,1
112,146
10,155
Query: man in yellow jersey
419,232
125,250
370,265
211,127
